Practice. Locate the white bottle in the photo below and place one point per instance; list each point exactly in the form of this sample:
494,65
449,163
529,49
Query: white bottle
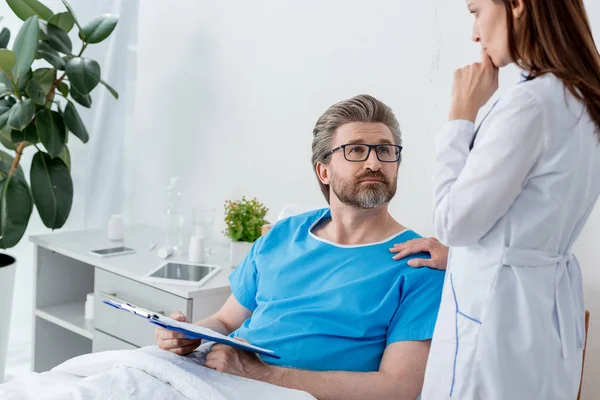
89,306
173,218
116,228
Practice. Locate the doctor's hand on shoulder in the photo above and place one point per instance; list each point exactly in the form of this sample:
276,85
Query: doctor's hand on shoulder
438,252
473,86
175,342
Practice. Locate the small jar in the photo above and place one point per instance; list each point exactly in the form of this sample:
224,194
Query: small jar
196,252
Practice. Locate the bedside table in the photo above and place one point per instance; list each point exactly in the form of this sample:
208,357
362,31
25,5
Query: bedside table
66,273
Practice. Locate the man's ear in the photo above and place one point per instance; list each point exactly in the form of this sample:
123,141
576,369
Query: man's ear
322,173
518,8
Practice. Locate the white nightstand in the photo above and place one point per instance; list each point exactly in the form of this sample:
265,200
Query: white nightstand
66,272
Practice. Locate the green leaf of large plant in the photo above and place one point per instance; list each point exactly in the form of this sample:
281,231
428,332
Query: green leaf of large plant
110,89
4,114
99,28
22,85
65,155
6,161
70,10
83,73
30,133
74,123
21,114
6,142
7,60
27,8
84,100
63,20
52,189
36,93
45,77
15,210
63,88
4,38
51,131
51,55
57,38
25,46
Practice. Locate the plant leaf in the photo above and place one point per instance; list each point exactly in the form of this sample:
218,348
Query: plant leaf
6,142
65,155
58,39
83,73
27,8
110,89
4,113
4,38
17,136
6,161
45,77
30,134
36,93
74,123
21,114
22,85
52,189
51,130
63,20
70,10
51,55
84,100
99,28
63,88
25,46
7,60
15,210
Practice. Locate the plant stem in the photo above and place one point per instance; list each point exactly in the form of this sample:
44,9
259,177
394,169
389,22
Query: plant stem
54,86
17,158
82,49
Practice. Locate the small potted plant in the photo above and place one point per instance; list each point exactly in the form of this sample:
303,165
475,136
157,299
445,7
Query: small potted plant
244,220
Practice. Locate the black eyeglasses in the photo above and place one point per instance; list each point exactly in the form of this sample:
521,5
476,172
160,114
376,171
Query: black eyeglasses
360,152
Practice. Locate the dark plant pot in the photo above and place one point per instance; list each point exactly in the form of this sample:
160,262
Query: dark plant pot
8,265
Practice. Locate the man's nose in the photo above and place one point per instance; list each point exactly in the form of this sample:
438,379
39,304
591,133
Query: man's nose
372,161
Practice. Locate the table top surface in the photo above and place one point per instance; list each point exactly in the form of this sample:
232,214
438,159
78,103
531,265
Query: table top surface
78,244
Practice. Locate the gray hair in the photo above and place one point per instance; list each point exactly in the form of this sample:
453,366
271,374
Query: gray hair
361,108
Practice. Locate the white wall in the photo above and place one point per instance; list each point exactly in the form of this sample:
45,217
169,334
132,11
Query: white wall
229,91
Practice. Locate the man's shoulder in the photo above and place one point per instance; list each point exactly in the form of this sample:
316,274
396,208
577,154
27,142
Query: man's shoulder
291,226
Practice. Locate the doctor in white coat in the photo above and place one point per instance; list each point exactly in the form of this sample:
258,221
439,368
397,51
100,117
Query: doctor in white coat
510,199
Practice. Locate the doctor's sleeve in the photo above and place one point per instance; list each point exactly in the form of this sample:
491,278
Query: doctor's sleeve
473,190
420,297
244,279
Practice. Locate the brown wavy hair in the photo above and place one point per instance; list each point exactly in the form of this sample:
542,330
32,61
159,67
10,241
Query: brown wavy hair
556,38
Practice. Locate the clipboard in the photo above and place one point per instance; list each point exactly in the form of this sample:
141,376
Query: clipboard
191,331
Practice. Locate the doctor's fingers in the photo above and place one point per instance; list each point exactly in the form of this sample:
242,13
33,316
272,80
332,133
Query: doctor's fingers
414,246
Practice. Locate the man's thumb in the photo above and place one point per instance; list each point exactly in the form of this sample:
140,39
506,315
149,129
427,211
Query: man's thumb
178,316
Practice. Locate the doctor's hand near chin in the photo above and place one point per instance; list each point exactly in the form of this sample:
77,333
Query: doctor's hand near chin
473,86
438,252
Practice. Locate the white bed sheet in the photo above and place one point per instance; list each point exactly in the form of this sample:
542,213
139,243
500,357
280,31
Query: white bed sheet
146,373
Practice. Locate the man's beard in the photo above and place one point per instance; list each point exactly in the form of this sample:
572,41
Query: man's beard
364,195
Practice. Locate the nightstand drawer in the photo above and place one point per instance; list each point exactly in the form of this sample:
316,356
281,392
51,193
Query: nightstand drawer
104,342
126,326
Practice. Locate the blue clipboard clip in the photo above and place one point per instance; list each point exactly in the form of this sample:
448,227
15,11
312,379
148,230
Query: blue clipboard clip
155,319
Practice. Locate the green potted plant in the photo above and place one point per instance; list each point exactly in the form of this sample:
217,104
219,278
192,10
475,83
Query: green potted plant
244,220
37,109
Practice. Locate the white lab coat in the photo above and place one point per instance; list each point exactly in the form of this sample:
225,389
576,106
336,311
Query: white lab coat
511,322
